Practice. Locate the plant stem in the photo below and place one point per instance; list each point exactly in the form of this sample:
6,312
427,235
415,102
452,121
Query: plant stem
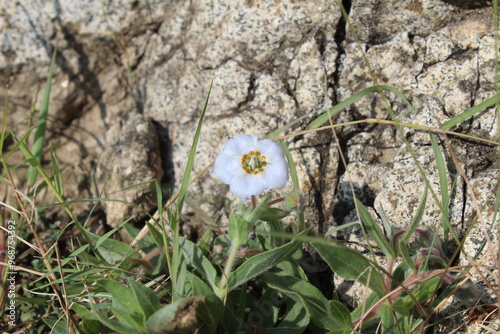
389,122
390,264
233,252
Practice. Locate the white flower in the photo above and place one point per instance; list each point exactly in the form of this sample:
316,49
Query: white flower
250,165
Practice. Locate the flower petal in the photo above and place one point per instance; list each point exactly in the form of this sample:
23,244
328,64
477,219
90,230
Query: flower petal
228,167
270,148
276,173
241,144
247,185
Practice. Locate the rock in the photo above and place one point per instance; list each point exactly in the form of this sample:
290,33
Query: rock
130,161
261,80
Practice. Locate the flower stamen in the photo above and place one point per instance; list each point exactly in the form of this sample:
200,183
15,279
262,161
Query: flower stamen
253,162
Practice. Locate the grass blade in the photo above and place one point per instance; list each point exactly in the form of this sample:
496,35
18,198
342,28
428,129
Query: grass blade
295,180
347,102
471,112
192,153
416,219
177,264
39,140
277,132
4,119
374,231
341,227
57,172
443,183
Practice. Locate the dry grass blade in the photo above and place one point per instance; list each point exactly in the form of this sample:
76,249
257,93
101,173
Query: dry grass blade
477,208
19,268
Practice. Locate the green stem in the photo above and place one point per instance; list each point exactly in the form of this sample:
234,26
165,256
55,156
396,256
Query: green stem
395,123
222,288
390,264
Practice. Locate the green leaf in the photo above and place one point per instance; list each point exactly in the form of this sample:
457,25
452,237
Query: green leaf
471,112
375,231
146,298
405,253
106,236
112,323
351,265
83,312
67,260
364,308
181,277
146,244
388,321
177,317
57,172
230,322
264,312
292,268
195,258
195,286
353,98
159,197
238,228
316,305
91,327
67,278
205,242
156,235
416,219
341,227
190,162
272,214
176,266
122,298
291,166
252,214
443,176
263,262
114,252
423,292
340,312
4,119
56,326
445,193
495,212
296,186
27,154
129,319
210,311
39,140
294,321
285,127
387,225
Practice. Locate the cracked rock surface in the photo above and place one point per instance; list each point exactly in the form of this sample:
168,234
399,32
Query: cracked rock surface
130,85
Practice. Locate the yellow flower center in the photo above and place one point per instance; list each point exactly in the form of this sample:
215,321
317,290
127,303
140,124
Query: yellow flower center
253,162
